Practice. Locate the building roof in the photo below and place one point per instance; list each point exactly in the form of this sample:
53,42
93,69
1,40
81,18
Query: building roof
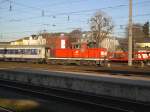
26,38
4,43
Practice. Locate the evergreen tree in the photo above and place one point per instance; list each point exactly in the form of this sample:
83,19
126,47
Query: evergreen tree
146,29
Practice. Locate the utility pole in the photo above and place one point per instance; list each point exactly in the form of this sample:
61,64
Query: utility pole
130,35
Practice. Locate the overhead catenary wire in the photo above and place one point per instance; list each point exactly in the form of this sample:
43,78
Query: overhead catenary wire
73,13
39,8
80,12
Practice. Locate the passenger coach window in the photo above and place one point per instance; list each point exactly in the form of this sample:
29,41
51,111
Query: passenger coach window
11,51
23,51
8,51
33,51
2,51
27,51
20,51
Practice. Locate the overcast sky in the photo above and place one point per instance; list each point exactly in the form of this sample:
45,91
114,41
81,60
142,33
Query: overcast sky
19,18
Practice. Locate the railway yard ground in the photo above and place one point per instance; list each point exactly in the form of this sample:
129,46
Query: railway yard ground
120,70
73,68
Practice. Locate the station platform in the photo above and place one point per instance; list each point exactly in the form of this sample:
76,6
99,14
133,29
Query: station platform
133,88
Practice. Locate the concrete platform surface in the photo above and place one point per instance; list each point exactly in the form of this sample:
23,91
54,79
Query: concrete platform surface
104,84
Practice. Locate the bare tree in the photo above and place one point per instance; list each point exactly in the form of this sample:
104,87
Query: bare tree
101,27
75,35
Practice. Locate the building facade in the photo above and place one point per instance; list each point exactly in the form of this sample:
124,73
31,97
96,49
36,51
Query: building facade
31,40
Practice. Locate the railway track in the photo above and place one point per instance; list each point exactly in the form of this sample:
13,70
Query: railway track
116,69
2,109
128,72
125,72
103,103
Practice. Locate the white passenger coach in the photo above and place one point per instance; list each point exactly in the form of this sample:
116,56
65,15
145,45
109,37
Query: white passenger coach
23,53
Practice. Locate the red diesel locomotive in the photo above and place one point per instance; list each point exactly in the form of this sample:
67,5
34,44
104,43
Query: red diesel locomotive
88,56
